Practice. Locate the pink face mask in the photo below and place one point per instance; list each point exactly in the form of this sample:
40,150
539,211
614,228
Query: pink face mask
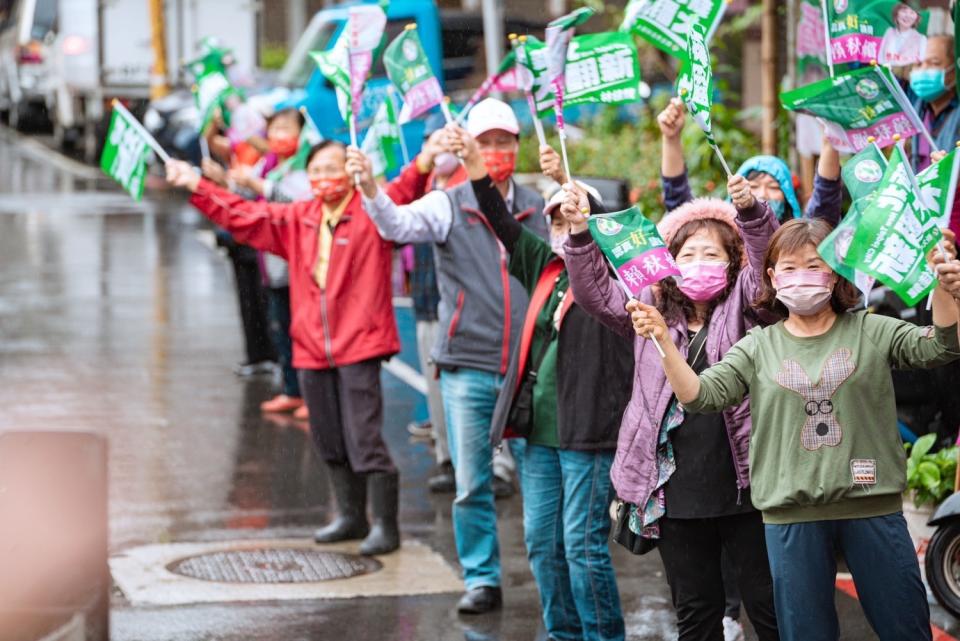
703,280
804,292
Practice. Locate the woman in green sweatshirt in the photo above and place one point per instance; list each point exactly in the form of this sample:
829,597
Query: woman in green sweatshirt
827,465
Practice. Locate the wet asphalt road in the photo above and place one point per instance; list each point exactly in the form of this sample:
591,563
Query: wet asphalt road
116,318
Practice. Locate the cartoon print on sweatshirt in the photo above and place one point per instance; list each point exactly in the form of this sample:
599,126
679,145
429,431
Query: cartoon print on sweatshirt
821,427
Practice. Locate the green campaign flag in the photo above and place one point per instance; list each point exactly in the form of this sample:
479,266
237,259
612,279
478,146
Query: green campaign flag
633,246
383,139
862,173
601,68
211,91
666,23
834,249
894,234
334,64
889,32
938,186
857,105
695,82
309,136
409,70
125,153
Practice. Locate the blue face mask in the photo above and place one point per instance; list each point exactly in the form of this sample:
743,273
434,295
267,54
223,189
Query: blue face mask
928,83
778,207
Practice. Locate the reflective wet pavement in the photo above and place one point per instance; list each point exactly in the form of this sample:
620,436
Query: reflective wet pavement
116,318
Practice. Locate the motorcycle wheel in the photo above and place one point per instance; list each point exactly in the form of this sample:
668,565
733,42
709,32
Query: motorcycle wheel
943,567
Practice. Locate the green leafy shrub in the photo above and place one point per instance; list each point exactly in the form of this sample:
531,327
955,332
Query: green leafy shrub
930,477
273,56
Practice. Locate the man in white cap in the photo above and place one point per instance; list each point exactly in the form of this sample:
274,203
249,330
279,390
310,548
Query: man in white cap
481,312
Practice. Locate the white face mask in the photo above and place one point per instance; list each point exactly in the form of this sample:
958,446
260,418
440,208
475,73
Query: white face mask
557,241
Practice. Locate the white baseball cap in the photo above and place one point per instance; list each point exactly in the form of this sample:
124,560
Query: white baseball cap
557,198
492,114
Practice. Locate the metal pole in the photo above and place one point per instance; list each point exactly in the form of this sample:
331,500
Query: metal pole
493,34
159,86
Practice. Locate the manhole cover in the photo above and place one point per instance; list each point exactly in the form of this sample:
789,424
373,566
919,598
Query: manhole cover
274,565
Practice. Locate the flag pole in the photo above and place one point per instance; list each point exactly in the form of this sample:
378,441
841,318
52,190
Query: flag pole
150,140
445,108
626,290
709,136
916,188
897,91
520,48
826,35
391,96
561,128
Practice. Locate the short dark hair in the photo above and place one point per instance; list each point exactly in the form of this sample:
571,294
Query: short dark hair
289,112
791,237
320,146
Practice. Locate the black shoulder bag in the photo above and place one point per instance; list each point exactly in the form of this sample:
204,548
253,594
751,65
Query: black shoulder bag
520,417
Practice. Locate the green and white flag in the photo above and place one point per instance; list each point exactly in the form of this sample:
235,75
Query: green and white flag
633,246
938,186
601,68
666,23
855,106
211,91
125,153
409,70
334,64
894,234
383,140
695,82
861,175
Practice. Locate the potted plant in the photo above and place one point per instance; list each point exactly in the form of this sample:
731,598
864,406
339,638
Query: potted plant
930,480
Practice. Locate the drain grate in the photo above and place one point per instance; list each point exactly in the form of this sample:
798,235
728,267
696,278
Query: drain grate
274,565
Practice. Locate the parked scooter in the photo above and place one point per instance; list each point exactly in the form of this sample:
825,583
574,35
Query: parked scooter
943,553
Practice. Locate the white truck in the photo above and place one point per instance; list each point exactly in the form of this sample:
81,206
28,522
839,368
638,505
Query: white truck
102,51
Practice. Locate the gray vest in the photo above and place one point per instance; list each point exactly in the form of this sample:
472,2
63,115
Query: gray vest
481,306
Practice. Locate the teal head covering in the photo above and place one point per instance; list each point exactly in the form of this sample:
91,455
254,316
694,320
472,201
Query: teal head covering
781,173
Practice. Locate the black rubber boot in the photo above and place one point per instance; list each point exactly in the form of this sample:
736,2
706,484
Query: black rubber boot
384,537
350,489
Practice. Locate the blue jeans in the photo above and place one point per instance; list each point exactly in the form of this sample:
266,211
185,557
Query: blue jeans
566,524
885,571
278,316
469,397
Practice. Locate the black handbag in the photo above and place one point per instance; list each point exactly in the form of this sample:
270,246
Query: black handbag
626,537
520,417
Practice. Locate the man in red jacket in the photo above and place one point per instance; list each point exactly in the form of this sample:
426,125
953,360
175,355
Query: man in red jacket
343,325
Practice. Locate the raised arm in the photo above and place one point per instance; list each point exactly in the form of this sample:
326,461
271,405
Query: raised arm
723,385
827,199
757,223
411,184
259,224
594,288
427,220
673,171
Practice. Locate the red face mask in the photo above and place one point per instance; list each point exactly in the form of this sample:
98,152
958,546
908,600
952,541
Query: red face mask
499,164
284,147
330,190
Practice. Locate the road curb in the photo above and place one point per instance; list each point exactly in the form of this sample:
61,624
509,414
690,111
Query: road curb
41,153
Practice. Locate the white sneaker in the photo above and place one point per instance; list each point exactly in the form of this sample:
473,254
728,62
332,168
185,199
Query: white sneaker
732,630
